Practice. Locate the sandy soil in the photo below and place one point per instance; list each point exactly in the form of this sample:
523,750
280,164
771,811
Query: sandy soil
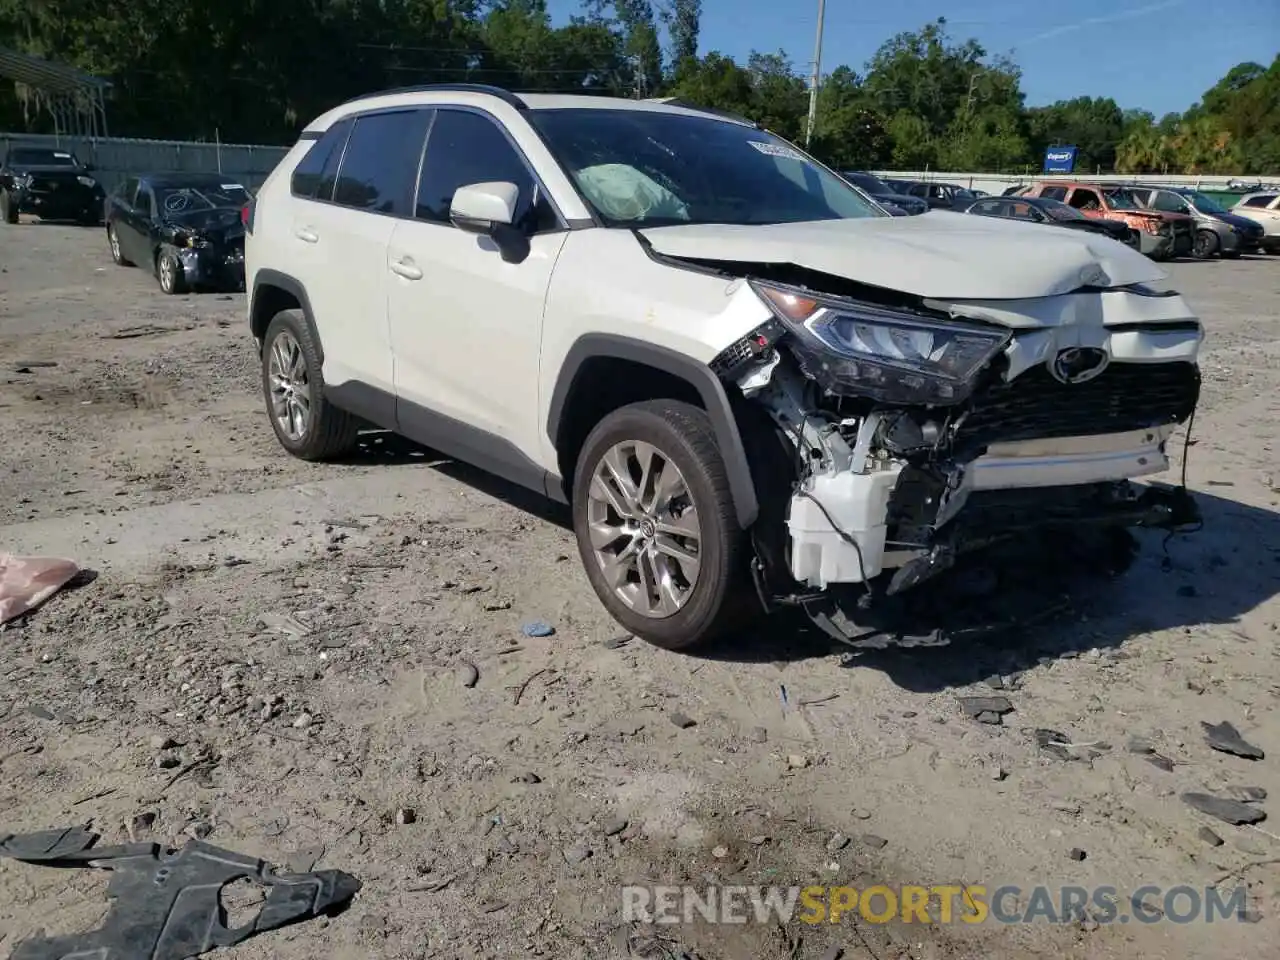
300,629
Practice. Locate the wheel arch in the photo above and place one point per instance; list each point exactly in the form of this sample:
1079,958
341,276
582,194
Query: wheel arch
602,372
274,292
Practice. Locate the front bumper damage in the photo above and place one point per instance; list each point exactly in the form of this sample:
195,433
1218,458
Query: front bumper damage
900,473
214,266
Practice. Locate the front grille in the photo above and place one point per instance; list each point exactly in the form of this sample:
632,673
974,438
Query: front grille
50,184
1125,396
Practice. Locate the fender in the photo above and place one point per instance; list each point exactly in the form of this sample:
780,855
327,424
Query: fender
291,286
697,375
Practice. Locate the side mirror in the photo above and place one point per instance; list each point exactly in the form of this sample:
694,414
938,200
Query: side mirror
88,167
483,207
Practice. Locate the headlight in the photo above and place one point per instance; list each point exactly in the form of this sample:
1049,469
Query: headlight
87,181
22,181
887,355
197,243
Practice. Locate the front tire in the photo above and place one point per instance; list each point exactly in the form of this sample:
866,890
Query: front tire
305,423
169,272
656,525
1205,244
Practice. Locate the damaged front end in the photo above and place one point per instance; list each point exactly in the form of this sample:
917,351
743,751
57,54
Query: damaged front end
926,430
210,249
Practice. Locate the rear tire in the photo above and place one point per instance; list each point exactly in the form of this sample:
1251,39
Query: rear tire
113,238
8,207
656,526
1205,244
307,425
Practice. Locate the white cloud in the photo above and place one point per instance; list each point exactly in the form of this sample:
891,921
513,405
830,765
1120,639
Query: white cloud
1103,20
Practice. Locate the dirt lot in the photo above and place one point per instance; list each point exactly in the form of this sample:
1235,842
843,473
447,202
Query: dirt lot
298,631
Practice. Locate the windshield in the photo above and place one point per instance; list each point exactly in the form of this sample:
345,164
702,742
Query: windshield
1205,204
1122,200
212,196
31,157
653,168
867,182
1060,211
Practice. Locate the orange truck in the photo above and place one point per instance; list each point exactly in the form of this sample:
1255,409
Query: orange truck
1162,235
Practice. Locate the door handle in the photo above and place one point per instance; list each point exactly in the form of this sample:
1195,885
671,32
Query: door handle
306,234
406,269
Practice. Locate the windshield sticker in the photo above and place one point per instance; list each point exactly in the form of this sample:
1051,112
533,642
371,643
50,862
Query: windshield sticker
776,150
176,202
230,186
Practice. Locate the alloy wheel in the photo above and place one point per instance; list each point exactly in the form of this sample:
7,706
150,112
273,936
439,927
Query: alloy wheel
115,244
166,273
644,529
290,387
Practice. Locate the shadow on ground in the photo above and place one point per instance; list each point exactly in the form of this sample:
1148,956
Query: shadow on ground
1054,596
1213,576
380,448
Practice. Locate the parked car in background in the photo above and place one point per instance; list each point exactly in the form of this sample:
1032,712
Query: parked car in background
1162,236
1264,209
883,194
52,184
941,196
186,228
1053,213
1217,230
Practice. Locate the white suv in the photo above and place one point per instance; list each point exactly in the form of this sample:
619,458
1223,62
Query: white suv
749,382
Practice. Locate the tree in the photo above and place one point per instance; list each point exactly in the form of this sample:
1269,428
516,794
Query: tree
683,20
256,70
1094,127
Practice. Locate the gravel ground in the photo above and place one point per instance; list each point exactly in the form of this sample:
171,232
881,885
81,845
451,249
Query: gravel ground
301,634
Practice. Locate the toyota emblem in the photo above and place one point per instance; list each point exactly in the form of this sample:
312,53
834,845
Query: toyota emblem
1078,364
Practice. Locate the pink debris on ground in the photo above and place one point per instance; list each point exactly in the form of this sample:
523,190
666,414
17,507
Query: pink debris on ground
27,582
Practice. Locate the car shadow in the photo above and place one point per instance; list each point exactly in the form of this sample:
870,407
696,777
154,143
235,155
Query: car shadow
1213,576
1036,601
1042,600
384,448
28,220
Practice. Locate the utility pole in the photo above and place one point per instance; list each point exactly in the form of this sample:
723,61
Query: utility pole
817,75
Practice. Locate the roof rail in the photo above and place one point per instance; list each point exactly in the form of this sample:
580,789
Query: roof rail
724,114
506,96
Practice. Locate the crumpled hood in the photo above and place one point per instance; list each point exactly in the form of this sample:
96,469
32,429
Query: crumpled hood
943,255
221,223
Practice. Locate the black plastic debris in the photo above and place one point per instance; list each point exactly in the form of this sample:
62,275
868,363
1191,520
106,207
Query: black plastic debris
165,903
1226,738
1229,811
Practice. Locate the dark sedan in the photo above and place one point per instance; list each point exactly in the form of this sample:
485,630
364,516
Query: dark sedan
187,228
939,196
52,184
885,195
1053,213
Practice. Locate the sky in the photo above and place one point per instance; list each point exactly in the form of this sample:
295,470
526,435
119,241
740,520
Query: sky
1157,55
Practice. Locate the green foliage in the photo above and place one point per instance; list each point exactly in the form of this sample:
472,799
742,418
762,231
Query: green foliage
256,70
